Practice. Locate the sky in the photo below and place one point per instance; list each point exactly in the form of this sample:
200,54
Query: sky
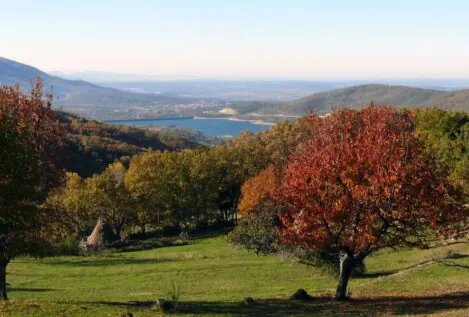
241,38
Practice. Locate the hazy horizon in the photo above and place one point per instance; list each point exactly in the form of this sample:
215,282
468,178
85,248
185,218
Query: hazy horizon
246,77
298,39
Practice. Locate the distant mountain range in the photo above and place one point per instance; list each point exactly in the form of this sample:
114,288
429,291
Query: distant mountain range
100,77
136,99
357,96
77,93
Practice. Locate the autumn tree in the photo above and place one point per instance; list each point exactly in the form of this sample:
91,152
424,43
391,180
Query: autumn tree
146,181
256,229
199,185
75,206
109,199
249,154
258,189
175,188
66,207
362,183
284,139
30,140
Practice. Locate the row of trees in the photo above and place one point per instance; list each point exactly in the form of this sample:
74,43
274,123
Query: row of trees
183,189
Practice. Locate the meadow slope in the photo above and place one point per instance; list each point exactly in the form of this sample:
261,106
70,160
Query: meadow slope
215,278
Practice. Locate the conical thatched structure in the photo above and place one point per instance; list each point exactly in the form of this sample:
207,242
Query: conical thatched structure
95,239
101,236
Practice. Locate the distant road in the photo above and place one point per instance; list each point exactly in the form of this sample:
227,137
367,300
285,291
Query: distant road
273,115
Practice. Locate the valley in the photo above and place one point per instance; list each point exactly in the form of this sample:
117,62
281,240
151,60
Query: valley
266,100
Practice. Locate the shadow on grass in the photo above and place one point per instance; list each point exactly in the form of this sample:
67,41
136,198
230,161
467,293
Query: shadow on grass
170,241
143,246
317,307
448,261
213,233
108,261
130,304
375,275
30,290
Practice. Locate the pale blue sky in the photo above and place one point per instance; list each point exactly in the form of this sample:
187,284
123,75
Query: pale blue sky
259,38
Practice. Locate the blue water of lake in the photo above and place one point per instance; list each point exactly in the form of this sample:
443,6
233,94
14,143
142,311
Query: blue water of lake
209,127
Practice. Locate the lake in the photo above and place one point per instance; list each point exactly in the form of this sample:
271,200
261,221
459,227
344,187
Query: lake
208,126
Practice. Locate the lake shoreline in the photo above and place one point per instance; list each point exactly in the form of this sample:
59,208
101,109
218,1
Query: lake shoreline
253,121
209,126
258,122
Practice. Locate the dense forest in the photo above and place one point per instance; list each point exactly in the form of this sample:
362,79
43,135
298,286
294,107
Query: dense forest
356,96
92,145
322,189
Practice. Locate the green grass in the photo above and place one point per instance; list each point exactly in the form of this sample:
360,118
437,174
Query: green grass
214,278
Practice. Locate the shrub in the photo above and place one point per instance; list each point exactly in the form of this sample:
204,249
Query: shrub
69,246
257,231
170,231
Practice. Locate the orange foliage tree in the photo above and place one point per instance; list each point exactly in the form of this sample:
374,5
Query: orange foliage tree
258,189
30,142
362,183
256,229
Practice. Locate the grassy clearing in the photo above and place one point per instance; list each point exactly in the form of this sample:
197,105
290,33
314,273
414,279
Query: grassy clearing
214,280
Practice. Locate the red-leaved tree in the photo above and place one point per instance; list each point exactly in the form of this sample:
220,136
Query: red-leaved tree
30,143
362,183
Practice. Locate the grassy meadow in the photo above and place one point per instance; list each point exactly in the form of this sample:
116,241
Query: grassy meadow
214,279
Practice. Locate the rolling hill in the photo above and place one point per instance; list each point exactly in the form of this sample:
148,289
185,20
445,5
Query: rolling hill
357,96
77,93
96,101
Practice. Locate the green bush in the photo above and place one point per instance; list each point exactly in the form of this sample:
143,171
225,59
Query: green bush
257,232
68,246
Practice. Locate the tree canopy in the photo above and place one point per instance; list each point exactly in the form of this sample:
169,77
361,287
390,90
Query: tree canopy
361,183
30,141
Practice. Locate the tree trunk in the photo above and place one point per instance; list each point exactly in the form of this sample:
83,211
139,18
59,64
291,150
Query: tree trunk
347,263
118,229
142,229
3,280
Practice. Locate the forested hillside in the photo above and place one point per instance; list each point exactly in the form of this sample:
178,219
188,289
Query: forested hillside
92,145
358,96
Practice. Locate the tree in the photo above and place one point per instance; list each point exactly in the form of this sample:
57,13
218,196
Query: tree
153,180
258,189
283,140
256,231
145,183
30,142
362,183
185,188
109,199
199,184
445,136
249,154
67,208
